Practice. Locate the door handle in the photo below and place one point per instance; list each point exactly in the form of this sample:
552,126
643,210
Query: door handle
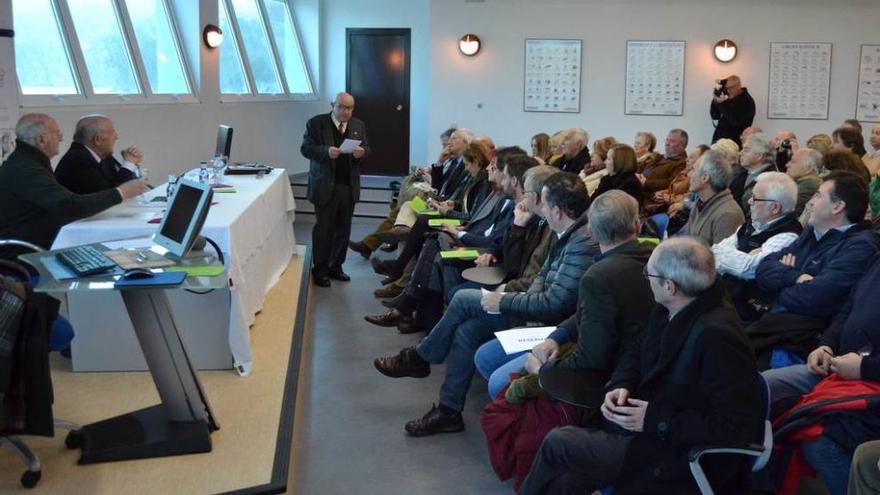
399,107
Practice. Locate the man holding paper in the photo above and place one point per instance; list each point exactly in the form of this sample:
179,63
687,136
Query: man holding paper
334,143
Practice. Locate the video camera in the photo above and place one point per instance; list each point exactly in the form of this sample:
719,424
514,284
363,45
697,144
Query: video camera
721,87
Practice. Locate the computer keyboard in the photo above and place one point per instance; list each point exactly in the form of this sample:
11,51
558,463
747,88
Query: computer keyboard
85,260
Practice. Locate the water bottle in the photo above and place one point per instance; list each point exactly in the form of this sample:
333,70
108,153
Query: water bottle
204,174
217,165
170,187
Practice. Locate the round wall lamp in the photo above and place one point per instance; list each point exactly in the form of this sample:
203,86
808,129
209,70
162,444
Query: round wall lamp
212,35
469,45
725,50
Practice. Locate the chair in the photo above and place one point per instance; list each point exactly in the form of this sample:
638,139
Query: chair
31,477
760,450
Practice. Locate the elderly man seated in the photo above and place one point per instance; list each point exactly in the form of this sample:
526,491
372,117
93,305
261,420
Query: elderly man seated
785,143
812,278
658,175
473,317
89,165
772,227
804,168
757,157
576,153
715,215
689,379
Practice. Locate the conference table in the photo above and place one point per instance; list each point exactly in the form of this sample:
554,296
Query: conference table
253,227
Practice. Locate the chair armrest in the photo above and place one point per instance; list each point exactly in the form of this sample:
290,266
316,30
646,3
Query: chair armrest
752,450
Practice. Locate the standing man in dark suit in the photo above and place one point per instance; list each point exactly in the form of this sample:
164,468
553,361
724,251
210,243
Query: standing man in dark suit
334,185
89,165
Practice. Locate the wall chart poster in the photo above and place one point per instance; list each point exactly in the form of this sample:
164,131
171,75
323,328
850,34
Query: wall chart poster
552,80
800,81
654,78
8,94
868,100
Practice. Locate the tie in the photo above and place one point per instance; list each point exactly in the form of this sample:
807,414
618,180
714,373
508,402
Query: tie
341,128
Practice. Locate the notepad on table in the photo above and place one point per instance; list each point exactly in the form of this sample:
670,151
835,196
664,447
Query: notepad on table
198,271
460,254
439,222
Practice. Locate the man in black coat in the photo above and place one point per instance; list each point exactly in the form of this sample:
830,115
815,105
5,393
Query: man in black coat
334,185
89,165
734,109
33,205
690,379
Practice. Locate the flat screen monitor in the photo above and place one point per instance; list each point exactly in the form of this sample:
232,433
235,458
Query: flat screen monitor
184,218
224,142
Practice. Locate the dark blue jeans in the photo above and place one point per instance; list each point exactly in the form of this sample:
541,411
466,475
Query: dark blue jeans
455,339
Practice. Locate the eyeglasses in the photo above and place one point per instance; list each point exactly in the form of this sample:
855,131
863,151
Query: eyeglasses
650,275
753,199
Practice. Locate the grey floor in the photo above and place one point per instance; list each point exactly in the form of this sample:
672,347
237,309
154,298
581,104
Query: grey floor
350,420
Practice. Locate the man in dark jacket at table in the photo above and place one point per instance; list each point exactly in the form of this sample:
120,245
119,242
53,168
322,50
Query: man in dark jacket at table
89,165
334,185
690,379
33,205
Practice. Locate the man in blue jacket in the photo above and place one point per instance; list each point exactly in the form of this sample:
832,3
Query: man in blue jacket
813,276
473,316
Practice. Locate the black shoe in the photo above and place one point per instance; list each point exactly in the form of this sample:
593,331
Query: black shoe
435,422
395,303
360,248
380,266
388,247
388,291
338,274
320,279
408,327
391,318
406,363
394,235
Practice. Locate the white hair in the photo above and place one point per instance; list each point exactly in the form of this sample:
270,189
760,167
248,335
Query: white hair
761,143
687,262
612,217
30,126
88,127
812,159
780,188
713,164
578,134
467,135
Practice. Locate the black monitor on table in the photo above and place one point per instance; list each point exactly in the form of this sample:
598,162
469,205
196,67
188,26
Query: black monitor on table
224,142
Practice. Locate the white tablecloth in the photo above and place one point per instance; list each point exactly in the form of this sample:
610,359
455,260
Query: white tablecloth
253,227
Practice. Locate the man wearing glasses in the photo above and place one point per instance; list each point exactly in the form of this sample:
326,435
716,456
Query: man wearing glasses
733,108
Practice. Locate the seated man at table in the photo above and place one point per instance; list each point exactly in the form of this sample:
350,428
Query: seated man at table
33,205
89,165
472,316
689,379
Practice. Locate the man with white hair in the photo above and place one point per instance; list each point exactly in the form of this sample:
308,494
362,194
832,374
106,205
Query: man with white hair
715,215
804,169
757,156
33,205
89,165
772,227
576,153
689,379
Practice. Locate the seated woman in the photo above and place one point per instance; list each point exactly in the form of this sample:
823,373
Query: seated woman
621,167
541,148
556,150
593,173
820,143
644,145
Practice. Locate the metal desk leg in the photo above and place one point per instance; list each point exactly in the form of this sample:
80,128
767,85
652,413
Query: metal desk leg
183,422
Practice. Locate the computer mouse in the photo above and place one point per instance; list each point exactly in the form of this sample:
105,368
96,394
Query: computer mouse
137,273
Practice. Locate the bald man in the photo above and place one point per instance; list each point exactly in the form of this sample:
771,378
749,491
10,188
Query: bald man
334,185
89,165
734,109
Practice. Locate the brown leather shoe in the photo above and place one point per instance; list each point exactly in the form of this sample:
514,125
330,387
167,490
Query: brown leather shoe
388,291
391,318
406,363
360,248
435,422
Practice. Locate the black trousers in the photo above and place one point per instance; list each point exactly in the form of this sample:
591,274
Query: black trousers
332,230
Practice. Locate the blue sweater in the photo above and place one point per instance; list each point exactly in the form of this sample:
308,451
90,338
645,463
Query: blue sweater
836,262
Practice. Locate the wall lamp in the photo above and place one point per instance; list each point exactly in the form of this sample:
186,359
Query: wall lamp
725,50
469,45
212,35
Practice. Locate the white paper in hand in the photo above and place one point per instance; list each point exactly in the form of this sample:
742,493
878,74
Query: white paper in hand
349,145
522,339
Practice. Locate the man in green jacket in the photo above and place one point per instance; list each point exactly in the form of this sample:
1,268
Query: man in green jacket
33,205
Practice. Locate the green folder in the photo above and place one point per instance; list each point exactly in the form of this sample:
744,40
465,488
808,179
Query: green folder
437,222
430,213
460,254
418,204
198,271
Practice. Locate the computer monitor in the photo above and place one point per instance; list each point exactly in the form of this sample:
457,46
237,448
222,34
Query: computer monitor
224,142
184,218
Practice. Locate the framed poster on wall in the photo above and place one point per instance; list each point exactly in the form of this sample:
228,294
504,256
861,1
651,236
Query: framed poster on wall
800,81
654,78
8,93
552,76
868,99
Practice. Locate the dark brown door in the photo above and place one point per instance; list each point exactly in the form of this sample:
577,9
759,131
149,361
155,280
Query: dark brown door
377,75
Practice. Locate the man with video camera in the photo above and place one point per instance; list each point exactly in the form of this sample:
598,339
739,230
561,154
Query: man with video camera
733,108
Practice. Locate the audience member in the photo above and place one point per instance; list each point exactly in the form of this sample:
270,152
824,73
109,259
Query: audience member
541,148
853,124
785,143
748,131
472,316
621,167
757,157
812,277
593,173
679,188
556,148
847,138
847,161
576,154
773,226
820,143
804,168
734,109
872,158
33,205
689,379
864,475
715,215
661,174
644,145
89,165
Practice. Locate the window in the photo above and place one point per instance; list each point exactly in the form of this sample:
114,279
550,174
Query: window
98,51
264,32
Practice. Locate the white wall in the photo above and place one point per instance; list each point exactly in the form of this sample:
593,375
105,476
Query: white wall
494,78
337,15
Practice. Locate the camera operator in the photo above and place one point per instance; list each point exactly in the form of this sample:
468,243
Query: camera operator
785,143
733,108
